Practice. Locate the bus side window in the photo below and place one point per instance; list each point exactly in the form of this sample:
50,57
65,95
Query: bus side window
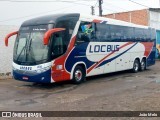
58,46
85,33
153,35
102,32
69,25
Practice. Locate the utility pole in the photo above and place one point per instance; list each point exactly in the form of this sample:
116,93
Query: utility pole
92,10
100,7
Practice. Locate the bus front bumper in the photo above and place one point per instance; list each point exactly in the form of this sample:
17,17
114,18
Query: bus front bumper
43,77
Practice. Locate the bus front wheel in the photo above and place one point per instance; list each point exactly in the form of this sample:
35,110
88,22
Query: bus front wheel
78,75
136,66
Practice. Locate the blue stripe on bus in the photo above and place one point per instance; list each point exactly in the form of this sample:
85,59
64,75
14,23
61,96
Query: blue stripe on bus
79,50
109,60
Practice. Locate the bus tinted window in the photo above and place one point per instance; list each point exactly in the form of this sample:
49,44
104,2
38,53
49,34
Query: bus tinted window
114,33
69,27
102,32
139,34
117,33
153,35
128,34
85,33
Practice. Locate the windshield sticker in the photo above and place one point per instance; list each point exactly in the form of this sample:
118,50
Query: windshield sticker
39,29
87,28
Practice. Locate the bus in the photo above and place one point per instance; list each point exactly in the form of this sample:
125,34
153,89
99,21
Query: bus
61,47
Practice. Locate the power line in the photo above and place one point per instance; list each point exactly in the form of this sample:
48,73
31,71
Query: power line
139,3
34,14
72,2
46,11
96,3
46,0
109,9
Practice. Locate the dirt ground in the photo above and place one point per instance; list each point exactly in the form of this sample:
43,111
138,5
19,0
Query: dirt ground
121,91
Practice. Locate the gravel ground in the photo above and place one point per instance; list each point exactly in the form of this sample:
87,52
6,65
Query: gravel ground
121,91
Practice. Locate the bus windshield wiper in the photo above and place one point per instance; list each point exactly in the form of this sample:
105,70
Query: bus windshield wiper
24,48
31,50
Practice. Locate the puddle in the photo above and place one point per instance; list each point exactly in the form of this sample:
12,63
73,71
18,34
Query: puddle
26,102
157,81
151,77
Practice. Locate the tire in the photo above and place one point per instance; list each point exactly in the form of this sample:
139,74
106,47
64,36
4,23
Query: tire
78,75
136,66
143,65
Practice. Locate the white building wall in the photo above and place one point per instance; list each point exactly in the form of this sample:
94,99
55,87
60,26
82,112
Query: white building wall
154,19
6,53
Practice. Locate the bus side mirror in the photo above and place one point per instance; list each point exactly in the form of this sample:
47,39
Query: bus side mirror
49,33
8,36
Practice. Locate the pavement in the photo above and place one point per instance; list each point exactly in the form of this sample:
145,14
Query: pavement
120,91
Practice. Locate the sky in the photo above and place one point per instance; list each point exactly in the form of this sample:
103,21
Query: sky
14,12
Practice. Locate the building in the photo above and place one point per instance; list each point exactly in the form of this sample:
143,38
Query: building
147,17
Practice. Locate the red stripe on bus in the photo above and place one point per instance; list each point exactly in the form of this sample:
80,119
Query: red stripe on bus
94,65
148,47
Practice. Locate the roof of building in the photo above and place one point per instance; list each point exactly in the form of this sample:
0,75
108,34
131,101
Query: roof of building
155,9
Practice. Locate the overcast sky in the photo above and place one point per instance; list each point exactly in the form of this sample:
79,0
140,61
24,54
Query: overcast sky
14,12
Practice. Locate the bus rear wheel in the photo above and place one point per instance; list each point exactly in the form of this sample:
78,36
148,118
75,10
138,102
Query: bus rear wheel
78,75
143,65
136,66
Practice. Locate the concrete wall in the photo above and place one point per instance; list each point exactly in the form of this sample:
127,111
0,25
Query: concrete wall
155,19
6,53
138,16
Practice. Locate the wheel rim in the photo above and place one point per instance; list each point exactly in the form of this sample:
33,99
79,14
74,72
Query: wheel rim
78,75
136,66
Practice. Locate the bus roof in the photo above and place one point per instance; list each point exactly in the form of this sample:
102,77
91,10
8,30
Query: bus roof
49,19
110,21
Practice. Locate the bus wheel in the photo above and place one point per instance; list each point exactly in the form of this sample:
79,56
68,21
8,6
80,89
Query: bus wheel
78,75
136,66
143,65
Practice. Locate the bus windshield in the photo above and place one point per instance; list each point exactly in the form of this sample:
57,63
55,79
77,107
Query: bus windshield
29,47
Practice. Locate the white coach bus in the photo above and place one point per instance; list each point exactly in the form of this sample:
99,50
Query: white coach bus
71,46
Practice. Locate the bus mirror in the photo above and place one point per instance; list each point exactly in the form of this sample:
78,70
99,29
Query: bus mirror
8,36
48,34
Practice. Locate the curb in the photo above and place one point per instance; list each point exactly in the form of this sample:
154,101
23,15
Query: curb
7,75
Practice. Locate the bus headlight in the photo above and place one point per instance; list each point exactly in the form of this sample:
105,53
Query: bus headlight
43,70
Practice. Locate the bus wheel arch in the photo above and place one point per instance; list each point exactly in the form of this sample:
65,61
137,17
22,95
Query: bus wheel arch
136,65
79,74
81,66
143,64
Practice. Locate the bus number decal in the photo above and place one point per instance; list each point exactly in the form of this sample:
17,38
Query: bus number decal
25,68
